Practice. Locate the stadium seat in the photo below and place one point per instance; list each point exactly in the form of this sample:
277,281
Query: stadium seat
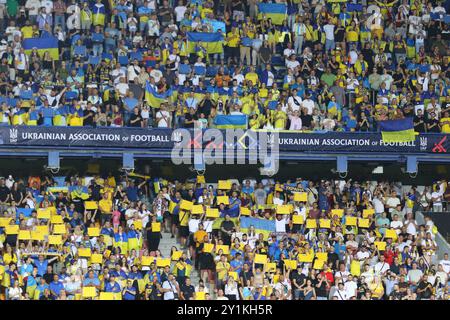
94,60
198,70
184,69
123,60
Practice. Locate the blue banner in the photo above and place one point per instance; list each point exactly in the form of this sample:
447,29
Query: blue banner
160,138
259,224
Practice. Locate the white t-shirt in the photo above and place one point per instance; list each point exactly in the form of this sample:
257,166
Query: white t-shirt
163,123
329,31
193,225
392,202
179,12
169,295
350,288
445,265
308,104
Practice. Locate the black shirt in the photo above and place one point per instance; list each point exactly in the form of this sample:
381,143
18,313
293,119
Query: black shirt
427,293
321,291
306,120
298,277
188,291
419,127
4,192
133,118
435,128
190,117
89,120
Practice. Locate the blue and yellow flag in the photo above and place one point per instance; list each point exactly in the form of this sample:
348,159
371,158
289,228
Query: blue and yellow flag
277,12
211,41
264,226
400,130
42,45
231,121
154,99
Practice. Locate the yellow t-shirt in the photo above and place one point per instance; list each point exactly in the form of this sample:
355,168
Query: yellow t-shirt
252,76
352,36
105,206
233,39
27,32
445,126
222,269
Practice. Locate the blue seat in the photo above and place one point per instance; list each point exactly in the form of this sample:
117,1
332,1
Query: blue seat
107,56
26,94
70,95
277,61
136,55
198,70
184,69
211,71
123,60
79,51
94,60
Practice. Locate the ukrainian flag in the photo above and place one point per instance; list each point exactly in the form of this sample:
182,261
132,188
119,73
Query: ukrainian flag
154,99
277,12
98,14
42,45
266,227
212,42
400,130
231,121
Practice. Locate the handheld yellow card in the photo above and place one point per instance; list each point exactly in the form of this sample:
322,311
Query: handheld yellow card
271,267
43,213
208,247
90,205
138,224
96,258
12,229
197,209
200,295
325,223
337,212
59,229
176,255
308,258
106,296
224,185
42,229
37,236
55,239
311,224
161,263
223,199
318,264
212,213
368,212
89,292
390,233
301,196
296,219
283,209
290,264
56,219
93,232
24,235
245,211
322,255
233,274
260,258
350,221
225,249
363,223
4,222
201,179
381,245
84,252
156,227
147,260
186,205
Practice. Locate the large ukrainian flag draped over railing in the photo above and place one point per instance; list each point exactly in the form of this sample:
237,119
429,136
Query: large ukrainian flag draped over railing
211,41
400,130
266,227
231,121
154,99
42,45
277,12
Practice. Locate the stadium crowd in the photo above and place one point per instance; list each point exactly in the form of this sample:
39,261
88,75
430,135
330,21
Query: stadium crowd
319,65
98,237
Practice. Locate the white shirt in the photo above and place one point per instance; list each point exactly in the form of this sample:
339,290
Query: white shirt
193,225
381,267
445,265
392,202
163,122
169,295
33,7
341,295
179,12
308,104
350,288
295,103
329,31
48,4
